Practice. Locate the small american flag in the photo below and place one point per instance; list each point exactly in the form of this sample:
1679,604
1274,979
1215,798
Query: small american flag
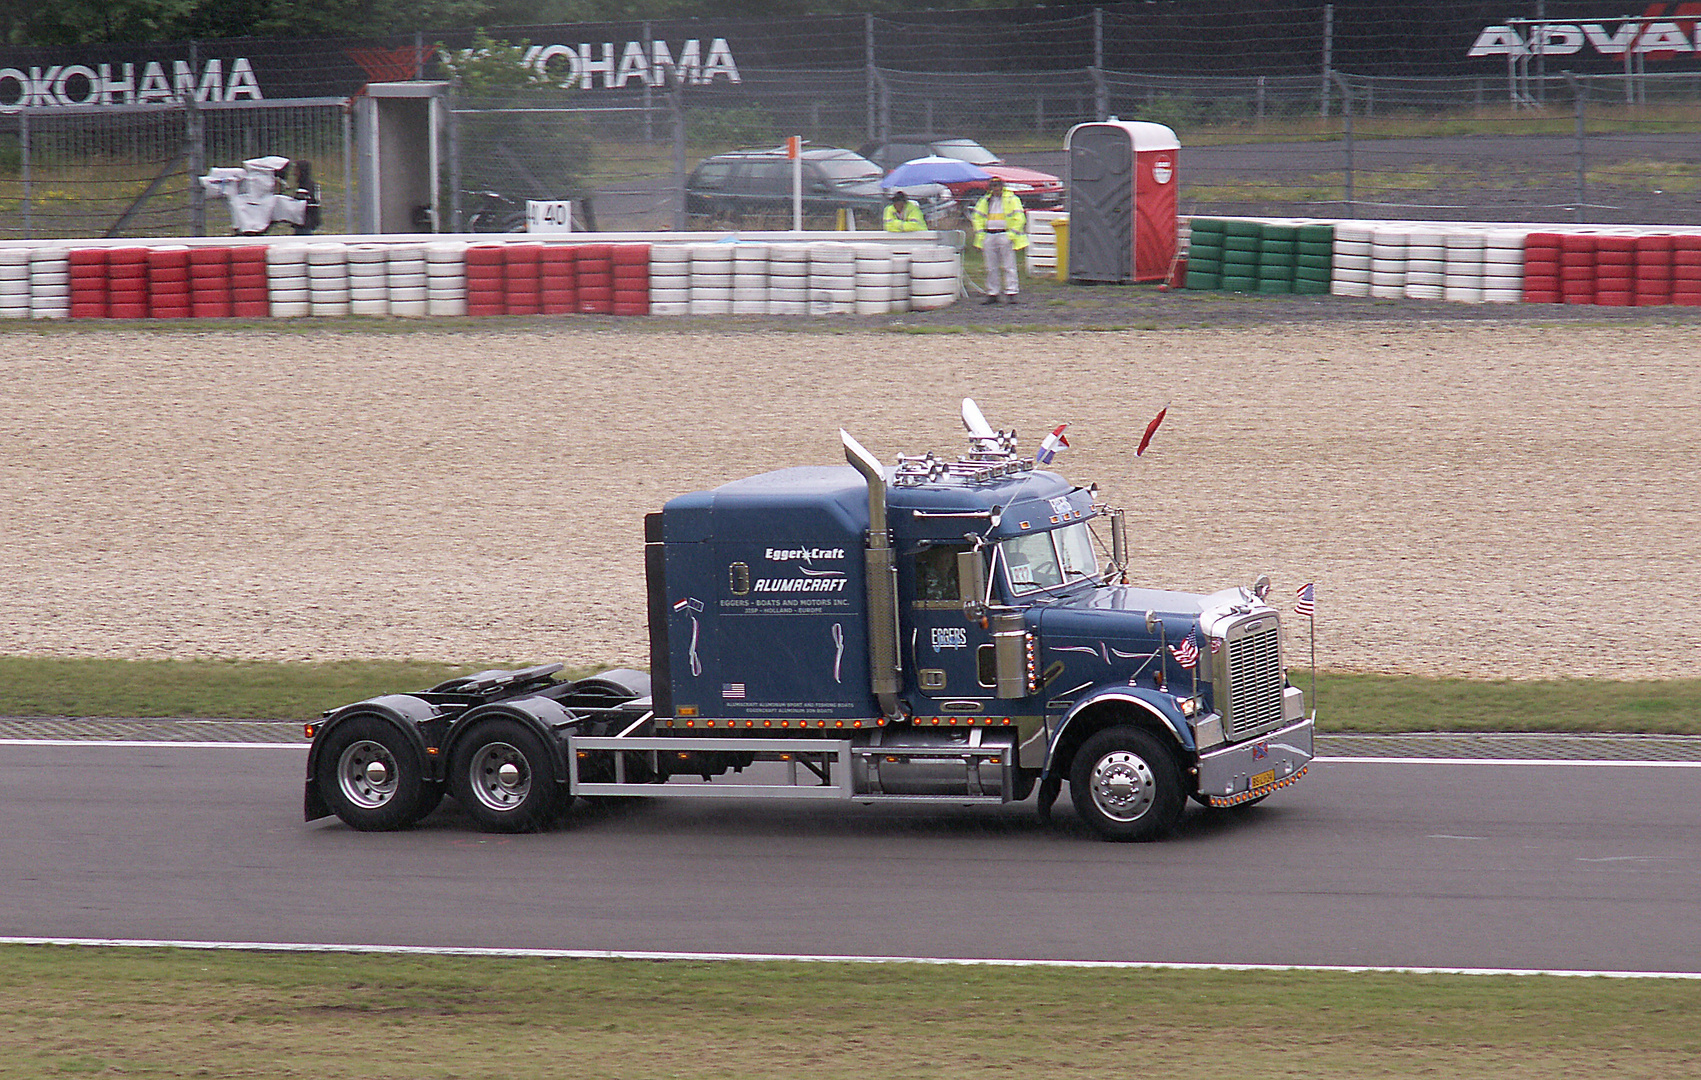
1307,603
732,691
1186,653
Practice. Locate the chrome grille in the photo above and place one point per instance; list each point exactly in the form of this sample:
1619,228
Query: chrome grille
1254,680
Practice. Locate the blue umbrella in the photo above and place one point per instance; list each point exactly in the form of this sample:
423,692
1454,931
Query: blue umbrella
933,170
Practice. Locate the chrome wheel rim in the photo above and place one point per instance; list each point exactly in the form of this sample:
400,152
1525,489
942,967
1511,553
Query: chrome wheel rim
500,775
367,774
1123,786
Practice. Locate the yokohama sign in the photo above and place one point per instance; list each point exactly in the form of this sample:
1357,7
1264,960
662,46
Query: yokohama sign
124,84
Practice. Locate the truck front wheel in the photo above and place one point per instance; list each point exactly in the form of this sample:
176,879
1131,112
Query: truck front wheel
1125,784
371,776
503,774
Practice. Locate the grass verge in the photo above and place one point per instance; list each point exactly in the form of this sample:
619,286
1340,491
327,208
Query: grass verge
169,1013
55,686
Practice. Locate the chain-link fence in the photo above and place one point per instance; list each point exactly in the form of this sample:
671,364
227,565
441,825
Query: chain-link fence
1588,148
130,170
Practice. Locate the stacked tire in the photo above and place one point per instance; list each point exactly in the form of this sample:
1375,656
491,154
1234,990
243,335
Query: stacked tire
168,282
873,279
1615,271
1242,244
711,279
934,274
832,279
558,290
900,281
750,279
595,269
1577,268
486,292
1653,270
127,283
1503,266
1278,247
89,283
788,279
1205,253
631,265
327,279
1543,268
1686,271
406,279
1388,263
522,282
288,282
1351,262
446,277
670,279
209,282
1314,259
1426,265
14,283
249,297
1462,271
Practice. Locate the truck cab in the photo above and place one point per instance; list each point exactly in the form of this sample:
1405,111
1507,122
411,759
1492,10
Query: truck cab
985,600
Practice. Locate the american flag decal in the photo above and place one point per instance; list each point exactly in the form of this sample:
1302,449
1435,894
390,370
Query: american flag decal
1186,653
732,691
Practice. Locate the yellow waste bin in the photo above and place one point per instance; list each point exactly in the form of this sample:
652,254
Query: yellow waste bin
1061,228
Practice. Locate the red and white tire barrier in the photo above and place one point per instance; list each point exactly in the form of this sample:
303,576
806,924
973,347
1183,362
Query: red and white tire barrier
411,278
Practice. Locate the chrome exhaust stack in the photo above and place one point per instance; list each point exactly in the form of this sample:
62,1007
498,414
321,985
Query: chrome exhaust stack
885,668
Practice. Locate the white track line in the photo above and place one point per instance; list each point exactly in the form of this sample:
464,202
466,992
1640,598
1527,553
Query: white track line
158,745
768,958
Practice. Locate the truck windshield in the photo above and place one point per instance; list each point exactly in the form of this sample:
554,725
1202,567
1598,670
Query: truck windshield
1048,559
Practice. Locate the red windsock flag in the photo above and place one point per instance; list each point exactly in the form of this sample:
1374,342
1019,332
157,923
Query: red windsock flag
1146,439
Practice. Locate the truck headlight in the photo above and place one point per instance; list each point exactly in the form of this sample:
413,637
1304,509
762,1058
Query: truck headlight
1190,707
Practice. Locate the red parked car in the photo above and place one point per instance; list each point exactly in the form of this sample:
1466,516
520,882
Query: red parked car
1037,190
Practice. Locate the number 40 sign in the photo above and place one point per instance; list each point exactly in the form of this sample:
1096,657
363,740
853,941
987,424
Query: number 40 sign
546,217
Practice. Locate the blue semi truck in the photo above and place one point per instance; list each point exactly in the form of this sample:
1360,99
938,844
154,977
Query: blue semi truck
942,630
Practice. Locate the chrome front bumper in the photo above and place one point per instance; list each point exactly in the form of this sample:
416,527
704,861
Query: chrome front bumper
1256,767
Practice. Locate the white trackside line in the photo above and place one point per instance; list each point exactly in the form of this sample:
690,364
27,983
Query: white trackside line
1592,762
767,958
159,745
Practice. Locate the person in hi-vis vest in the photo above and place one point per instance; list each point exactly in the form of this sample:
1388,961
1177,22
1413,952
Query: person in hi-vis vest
1001,229
903,215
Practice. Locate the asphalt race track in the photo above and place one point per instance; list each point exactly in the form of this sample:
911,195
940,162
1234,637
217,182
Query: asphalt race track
1369,861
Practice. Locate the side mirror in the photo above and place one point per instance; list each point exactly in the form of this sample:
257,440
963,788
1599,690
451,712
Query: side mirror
971,584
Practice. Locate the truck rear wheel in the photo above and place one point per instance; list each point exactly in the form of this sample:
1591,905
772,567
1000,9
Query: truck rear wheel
1125,784
372,777
503,774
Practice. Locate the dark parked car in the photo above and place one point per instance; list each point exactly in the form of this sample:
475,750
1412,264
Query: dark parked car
745,184
1037,190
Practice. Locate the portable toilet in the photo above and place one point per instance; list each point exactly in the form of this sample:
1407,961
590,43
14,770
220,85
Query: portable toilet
1122,205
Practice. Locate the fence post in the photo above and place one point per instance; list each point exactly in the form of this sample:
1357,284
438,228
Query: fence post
453,96
1101,94
24,147
1582,160
1347,136
196,136
1328,55
868,50
676,101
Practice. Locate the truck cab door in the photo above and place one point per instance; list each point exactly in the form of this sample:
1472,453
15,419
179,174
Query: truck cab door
950,654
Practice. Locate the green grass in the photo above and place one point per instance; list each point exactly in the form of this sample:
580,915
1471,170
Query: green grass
55,686
172,1013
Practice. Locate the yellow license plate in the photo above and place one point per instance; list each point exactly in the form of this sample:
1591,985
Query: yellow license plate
1263,778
